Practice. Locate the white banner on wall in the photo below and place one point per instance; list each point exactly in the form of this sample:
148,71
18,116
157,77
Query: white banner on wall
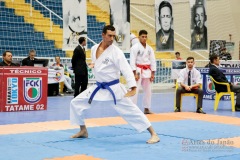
177,66
120,19
199,35
164,25
74,22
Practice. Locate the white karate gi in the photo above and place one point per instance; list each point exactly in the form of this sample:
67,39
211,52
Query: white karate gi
106,69
143,56
133,39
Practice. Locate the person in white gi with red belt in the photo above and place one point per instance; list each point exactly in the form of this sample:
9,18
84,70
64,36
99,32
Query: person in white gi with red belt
143,63
107,63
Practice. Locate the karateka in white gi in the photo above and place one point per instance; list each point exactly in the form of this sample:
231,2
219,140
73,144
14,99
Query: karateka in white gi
143,63
107,62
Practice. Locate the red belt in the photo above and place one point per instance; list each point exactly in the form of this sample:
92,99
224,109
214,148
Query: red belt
144,66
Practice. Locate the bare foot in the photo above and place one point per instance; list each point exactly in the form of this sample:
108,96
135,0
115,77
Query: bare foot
153,139
81,134
147,111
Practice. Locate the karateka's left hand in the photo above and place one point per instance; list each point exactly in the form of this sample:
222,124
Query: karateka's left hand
152,78
131,93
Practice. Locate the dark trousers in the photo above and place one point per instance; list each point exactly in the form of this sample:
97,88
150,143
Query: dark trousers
181,90
236,89
81,82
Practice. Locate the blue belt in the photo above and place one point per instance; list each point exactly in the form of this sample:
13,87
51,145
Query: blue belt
104,85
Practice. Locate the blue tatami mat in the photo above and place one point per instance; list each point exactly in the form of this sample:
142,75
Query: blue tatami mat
179,140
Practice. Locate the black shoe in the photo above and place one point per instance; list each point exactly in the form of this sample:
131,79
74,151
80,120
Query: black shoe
199,110
177,110
237,107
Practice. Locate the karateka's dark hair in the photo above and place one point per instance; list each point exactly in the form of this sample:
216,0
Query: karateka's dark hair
142,32
108,27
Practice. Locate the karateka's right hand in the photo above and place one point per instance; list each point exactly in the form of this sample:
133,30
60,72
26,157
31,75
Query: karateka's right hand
132,92
137,76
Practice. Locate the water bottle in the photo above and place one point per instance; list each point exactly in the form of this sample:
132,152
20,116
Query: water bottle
65,68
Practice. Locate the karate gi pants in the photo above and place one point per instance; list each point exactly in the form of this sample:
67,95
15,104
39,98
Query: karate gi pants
147,92
125,107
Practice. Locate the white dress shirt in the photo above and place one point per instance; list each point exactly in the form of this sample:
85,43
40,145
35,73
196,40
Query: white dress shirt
195,76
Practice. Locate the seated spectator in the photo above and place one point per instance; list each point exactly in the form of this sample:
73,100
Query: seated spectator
67,79
29,61
218,76
190,81
7,59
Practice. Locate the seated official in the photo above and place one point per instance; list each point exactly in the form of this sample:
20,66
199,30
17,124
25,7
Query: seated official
29,61
7,59
218,76
67,79
190,81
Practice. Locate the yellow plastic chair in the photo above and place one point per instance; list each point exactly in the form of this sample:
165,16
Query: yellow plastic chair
219,95
61,86
185,94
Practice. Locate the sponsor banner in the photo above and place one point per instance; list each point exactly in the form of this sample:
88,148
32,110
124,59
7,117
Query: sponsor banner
176,68
25,89
55,76
236,79
164,25
120,19
232,74
209,86
199,34
74,22
32,89
12,90
1,90
230,64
